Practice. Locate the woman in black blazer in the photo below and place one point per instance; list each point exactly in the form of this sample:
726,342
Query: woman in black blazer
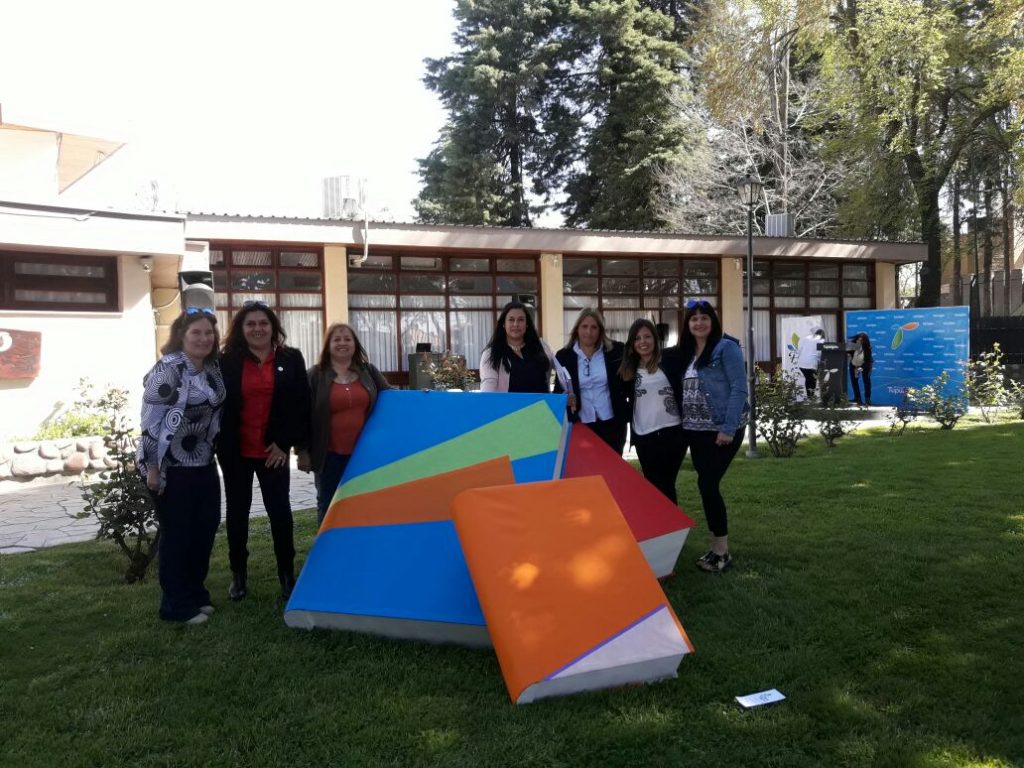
599,397
266,415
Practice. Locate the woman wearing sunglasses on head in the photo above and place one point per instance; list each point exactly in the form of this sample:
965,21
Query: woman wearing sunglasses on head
181,413
655,426
265,416
713,408
598,397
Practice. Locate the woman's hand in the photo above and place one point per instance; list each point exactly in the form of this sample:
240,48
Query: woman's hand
275,456
153,479
571,402
723,439
304,463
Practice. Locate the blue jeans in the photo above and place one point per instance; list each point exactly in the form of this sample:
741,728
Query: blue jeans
327,480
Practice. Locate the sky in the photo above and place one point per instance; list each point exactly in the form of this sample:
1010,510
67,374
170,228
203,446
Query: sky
235,107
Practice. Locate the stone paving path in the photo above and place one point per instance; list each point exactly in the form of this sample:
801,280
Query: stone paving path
39,516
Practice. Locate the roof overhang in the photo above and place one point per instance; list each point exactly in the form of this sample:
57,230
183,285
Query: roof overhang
76,154
564,241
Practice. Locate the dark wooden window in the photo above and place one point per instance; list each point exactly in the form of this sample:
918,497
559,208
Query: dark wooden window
62,282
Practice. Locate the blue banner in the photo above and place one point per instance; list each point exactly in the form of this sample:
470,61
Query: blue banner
911,347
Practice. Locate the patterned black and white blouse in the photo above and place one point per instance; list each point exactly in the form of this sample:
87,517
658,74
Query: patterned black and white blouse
181,412
696,414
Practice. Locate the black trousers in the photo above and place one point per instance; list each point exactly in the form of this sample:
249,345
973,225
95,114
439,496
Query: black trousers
189,513
274,486
865,374
810,380
611,431
661,454
326,481
711,461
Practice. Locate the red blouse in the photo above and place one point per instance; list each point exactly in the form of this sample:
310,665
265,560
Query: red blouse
350,404
257,392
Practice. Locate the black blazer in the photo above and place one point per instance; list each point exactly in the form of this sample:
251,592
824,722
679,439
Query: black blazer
621,394
288,425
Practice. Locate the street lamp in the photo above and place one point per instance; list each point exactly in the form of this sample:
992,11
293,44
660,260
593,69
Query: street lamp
749,190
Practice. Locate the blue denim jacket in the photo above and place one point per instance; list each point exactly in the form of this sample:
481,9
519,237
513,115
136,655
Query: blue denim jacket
724,382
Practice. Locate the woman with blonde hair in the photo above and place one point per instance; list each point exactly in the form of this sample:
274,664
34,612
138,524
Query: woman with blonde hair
598,398
344,387
656,429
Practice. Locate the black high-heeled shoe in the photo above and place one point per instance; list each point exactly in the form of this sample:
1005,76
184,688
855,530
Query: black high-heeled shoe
237,591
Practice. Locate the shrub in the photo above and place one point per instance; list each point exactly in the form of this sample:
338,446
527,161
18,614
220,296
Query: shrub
1015,398
945,407
779,412
901,417
985,383
834,424
84,419
450,373
119,498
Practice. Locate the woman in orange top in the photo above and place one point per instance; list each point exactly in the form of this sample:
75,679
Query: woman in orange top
344,387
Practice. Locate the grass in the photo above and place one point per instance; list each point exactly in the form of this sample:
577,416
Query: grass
880,586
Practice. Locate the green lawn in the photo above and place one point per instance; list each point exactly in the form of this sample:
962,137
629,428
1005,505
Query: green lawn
879,586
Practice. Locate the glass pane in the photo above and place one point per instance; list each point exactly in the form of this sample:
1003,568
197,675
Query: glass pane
579,285
422,263
864,303
238,299
363,282
470,333
760,285
620,302
367,301
712,300
792,271
300,281
824,287
470,284
661,302
58,270
761,301
620,285
470,302
855,288
378,334
579,267
823,271
789,301
468,265
617,322
762,336
252,281
576,303
661,286
855,271
421,302
299,259
308,300
220,279
372,262
824,301
216,257
661,267
62,297
251,258
422,328
422,283
789,287
702,285
517,284
516,265
693,268
304,330
620,266
220,299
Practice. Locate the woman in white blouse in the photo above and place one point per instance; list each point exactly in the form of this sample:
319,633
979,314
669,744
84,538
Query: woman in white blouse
656,430
598,398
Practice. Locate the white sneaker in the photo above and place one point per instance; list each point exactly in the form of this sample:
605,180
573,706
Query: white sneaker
199,618
207,610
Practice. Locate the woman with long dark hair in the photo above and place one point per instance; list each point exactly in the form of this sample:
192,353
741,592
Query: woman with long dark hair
598,397
861,363
265,416
516,359
655,426
713,409
182,403
344,387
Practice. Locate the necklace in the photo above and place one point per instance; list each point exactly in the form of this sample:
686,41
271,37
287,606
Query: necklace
517,348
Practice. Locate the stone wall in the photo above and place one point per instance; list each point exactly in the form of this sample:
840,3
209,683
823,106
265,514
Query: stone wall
29,459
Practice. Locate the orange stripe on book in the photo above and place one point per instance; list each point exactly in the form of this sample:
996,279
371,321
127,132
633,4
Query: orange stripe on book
418,501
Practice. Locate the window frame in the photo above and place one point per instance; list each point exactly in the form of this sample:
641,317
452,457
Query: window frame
11,282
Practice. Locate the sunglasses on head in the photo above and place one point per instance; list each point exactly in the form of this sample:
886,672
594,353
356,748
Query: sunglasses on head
698,304
255,303
198,310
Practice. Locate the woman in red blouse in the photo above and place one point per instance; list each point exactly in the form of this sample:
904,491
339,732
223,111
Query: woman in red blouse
266,414
344,387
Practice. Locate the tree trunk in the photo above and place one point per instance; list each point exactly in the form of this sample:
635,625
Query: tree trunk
1007,245
928,203
987,284
958,283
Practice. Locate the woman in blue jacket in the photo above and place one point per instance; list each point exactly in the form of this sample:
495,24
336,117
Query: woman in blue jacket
713,409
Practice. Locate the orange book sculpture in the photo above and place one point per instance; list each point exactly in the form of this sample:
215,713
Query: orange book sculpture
569,599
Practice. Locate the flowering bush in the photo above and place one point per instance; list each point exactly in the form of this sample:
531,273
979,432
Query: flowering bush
450,372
